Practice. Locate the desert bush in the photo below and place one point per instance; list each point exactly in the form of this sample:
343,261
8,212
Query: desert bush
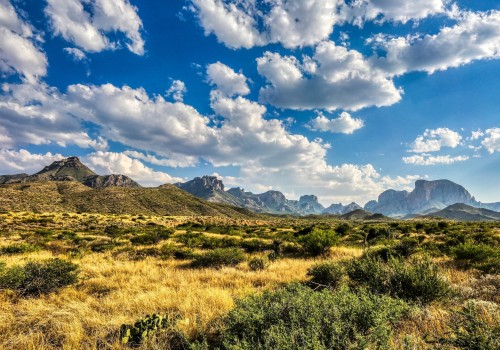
257,264
404,248
319,241
480,256
296,317
37,278
327,274
475,327
19,248
418,280
218,258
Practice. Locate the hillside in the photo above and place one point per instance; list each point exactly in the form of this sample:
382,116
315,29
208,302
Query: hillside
463,212
360,214
72,196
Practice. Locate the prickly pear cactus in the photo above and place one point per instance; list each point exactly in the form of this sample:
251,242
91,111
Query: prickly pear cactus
139,331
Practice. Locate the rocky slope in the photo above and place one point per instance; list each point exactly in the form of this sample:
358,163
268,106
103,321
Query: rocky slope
463,212
274,202
72,169
341,209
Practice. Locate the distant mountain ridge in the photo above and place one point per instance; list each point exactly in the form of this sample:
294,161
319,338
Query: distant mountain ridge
464,212
427,197
72,169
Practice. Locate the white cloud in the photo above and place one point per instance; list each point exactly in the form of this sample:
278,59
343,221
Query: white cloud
227,80
118,163
39,114
22,161
361,11
492,141
476,36
184,161
177,90
344,123
335,77
77,54
434,140
298,23
427,159
70,20
18,53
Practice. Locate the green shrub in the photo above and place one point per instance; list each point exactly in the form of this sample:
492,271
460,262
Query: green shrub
479,256
37,278
318,241
257,264
475,327
296,317
218,258
19,248
328,274
418,280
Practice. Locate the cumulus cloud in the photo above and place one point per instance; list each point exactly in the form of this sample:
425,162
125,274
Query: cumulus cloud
427,159
19,52
71,20
298,23
119,163
184,161
476,36
335,77
434,140
39,114
227,80
492,140
177,90
361,11
76,54
23,161
344,123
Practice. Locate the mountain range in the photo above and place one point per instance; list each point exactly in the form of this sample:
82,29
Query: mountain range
71,186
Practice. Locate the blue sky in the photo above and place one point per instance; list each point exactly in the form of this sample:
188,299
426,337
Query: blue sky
342,99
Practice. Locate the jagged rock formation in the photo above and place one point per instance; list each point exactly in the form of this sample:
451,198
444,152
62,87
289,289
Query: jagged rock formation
426,197
212,189
341,209
72,169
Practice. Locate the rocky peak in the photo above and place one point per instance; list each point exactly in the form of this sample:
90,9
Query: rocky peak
62,169
308,198
237,192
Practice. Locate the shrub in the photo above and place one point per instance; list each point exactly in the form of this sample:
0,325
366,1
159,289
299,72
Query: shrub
19,248
296,317
257,264
318,241
475,327
328,274
418,280
37,278
218,258
480,256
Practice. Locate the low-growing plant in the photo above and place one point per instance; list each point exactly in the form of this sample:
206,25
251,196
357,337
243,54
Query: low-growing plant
480,256
327,274
296,317
319,241
36,278
19,248
142,329
258,263
218,258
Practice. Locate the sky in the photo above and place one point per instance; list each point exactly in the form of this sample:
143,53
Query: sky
338,98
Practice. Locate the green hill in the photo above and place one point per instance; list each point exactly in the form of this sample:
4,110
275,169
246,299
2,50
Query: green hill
72,196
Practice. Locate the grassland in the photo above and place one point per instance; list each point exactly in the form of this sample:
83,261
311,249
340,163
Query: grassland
133,265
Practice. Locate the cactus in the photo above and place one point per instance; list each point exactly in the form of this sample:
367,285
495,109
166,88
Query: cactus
141,329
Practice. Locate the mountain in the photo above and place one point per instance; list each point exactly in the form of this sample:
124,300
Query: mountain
464,212
73,196
341,209
360,214
72,169
273,202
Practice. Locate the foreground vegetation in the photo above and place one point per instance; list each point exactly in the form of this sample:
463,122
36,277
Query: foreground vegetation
92,281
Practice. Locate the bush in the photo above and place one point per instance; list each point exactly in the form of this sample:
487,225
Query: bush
37,278
475,327
19,248
218,258
257,264
417,280
328,274
296,317
318,241
480,256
